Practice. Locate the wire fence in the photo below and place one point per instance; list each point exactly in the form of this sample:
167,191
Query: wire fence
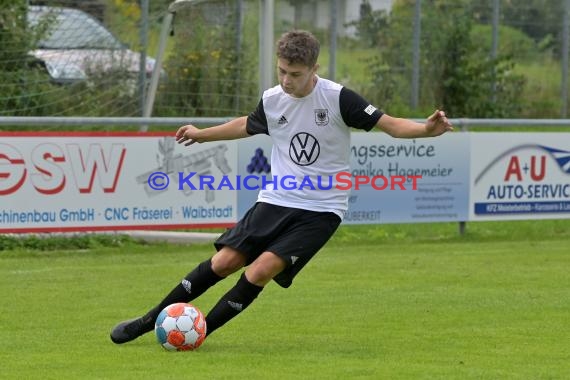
477,59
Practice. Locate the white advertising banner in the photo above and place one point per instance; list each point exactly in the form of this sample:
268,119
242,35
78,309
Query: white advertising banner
435,173
383,167
254,159
98,181
520,176
114,181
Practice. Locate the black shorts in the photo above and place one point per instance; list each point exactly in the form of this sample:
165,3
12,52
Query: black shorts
293,234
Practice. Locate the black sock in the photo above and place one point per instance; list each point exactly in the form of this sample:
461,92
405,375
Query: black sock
232,303
193,285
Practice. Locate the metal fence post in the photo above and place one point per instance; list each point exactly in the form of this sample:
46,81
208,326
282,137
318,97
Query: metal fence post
239,43
143,51
495,45
266,45
149,101
333,39
415,95
565,49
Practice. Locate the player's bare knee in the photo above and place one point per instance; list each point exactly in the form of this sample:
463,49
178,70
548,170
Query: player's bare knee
227,261
264,268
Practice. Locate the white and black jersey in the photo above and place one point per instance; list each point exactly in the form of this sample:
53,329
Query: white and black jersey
311,143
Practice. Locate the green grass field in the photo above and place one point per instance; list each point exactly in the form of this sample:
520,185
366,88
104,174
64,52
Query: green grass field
378,302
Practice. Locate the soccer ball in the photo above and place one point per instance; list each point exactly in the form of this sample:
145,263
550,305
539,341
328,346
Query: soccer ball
180,327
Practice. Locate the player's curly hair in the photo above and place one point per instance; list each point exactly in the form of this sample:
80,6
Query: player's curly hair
299,46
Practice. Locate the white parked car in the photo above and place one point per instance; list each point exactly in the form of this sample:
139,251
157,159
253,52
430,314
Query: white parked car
76,45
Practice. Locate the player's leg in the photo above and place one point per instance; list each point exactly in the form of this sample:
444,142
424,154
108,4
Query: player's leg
232,247
206,274
246,290
301,234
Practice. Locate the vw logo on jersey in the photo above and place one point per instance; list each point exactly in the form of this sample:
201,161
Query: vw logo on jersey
304,149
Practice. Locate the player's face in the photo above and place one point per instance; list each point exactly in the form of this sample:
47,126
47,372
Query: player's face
296,79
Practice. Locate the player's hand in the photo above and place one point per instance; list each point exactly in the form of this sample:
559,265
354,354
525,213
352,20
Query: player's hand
438,124
188,135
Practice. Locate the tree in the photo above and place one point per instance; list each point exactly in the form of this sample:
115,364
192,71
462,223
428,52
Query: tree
473,84
371,24
455,73
539,19
24,86
298,11
213,73
14,39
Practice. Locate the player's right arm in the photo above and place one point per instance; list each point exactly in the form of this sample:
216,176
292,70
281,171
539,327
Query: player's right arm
233,129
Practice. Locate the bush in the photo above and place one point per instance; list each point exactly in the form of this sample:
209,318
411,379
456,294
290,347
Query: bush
512,42
211,73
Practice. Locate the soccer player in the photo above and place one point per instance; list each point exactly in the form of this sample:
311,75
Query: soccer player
308,119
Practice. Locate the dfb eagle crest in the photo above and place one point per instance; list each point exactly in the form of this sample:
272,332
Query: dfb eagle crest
321,117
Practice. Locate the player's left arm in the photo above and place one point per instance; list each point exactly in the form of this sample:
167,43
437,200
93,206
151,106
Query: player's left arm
435,125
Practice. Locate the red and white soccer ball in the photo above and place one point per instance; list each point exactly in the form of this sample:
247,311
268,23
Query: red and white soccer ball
180,327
